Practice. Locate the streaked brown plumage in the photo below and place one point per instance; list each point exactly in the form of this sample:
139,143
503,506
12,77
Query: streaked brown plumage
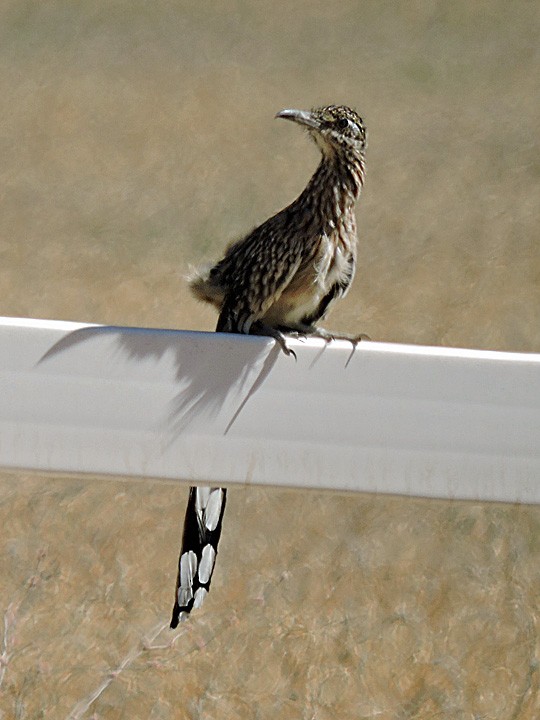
281,278
285,274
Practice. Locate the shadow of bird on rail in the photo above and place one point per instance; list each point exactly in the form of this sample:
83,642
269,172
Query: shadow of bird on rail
210,386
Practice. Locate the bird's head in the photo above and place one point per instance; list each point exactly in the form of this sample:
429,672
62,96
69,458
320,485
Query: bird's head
335,128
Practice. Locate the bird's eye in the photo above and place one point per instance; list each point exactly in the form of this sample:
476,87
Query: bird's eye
342,124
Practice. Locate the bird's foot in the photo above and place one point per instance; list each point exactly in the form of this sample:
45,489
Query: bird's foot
353,339
277,335
281,335
296,334
281,340
329,336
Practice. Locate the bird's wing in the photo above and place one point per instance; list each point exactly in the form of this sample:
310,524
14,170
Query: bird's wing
257,271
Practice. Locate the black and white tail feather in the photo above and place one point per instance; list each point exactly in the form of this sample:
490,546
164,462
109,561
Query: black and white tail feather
202,529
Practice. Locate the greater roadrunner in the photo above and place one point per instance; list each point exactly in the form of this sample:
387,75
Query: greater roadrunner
280,279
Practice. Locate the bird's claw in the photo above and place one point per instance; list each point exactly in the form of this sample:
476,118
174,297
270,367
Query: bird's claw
282,342
286,349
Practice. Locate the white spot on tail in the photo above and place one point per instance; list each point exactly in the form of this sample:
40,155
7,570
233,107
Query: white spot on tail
213,508
201,499
199,597
206,566
188,568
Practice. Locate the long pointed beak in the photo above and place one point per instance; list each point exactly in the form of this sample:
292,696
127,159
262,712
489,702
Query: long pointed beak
302,117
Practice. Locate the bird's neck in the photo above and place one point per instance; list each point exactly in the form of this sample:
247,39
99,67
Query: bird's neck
335,186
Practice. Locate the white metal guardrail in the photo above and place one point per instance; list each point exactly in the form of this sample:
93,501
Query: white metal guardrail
207,407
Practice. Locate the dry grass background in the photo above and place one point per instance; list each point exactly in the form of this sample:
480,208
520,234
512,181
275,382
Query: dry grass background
138,137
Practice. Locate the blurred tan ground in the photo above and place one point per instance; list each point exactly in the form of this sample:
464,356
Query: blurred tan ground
136,138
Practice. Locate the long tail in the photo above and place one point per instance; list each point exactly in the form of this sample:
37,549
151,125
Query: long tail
202,529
